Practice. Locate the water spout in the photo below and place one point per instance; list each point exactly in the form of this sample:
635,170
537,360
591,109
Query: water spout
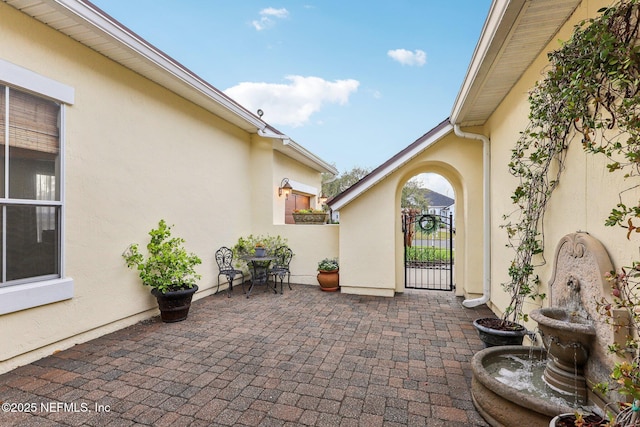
573,284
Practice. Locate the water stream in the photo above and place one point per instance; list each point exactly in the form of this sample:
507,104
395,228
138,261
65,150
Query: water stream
526,375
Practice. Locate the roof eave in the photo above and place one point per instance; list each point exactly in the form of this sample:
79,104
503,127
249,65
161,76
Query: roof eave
391,165
89,25
296,151
176,77
514,34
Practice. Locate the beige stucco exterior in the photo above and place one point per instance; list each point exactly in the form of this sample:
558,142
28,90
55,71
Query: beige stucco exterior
582,201
584,198
135,153
371,245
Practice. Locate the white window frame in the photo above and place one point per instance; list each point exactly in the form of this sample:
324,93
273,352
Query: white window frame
35,293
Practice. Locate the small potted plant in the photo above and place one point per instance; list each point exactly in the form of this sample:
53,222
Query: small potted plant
260,249
168,269
328,275
578,419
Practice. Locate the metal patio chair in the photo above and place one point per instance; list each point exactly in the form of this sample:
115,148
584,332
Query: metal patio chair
280,267
224,259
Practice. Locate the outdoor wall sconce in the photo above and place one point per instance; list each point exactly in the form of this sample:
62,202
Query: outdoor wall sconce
285,188
322,199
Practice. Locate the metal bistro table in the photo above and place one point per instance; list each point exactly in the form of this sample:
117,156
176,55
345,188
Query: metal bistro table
259,270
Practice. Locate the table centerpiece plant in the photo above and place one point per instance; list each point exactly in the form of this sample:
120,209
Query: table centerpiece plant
248,245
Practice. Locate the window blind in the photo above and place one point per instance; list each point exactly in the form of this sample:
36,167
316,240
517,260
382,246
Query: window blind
33,122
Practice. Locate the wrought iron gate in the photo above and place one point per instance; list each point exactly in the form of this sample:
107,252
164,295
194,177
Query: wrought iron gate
428,251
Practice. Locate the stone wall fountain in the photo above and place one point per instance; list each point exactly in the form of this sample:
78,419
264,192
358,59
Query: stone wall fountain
567,332
575,338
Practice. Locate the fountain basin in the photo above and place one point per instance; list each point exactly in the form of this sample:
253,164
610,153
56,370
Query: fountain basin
566,335
501,404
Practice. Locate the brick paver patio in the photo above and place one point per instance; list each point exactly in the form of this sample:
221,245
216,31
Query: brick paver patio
302,358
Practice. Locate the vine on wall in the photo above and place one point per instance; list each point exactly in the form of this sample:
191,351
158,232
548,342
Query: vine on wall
591,90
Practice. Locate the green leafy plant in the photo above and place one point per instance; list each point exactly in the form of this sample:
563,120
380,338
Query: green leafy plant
591,91
168,266
427,254
328,264
625,375
246,246
309,211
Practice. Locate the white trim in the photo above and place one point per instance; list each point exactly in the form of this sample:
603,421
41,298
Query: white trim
61,160
36,293
90,26
294,150
372,180
304,188
309,155
14,75
95,19
31,202
21,297
487,37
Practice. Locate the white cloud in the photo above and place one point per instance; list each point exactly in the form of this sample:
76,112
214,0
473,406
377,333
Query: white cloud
292,103
406,57
276,13
268,16
437,183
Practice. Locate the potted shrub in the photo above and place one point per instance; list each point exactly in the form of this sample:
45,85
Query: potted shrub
310,216
168,269
328,275
523,284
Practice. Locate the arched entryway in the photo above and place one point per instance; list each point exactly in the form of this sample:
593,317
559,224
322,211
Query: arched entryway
428,207
446,179
371,240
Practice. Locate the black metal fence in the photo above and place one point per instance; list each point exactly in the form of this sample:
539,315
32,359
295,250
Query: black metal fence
428,251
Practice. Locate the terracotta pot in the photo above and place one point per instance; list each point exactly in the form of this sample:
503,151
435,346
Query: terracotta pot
329,280
174,305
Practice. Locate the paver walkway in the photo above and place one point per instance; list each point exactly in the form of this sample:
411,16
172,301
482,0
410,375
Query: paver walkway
303,358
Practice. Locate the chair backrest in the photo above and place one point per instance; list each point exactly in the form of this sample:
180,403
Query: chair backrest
283,256
224,258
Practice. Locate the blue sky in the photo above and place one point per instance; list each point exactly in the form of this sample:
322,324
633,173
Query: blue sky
352,81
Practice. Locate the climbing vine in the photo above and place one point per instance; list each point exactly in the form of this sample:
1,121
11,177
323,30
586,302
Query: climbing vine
590,91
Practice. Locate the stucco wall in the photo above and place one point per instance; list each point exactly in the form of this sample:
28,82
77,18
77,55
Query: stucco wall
582,201
135,153
303,179
371,245
310,243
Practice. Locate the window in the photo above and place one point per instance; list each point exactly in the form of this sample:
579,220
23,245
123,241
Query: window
30,201
295,202
32,117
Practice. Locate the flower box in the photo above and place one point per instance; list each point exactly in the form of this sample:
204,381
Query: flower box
311,218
